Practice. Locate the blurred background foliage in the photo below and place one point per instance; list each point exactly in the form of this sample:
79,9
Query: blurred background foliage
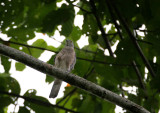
113,70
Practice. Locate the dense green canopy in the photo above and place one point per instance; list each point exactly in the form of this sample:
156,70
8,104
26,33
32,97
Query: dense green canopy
135,27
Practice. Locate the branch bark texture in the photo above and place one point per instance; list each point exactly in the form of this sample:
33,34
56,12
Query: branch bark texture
71,79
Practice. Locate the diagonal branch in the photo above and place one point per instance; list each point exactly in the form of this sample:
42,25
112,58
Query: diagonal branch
139,75
142,84
133,38
101,28
71,79
36,101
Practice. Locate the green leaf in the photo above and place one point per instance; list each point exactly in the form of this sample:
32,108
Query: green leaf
10,16
6,63
64,16
49,79
81,66
90,26
20,66
21,33
76,34
124,48
5,101
107,107
51,48
38,107
38,43
68,20
130,5
8,83
23,110
86,107
37,12
134,98
101,42
98,108
69,104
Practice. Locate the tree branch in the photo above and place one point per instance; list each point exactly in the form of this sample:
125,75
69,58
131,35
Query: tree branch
71,79
36,101
133,38
101,28
139,75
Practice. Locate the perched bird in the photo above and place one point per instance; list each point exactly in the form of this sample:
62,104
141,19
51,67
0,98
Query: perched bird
65,60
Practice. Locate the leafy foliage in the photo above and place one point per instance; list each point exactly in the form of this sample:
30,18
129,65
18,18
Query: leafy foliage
37,108
20,19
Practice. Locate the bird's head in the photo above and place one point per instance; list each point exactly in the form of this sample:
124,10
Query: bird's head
69,43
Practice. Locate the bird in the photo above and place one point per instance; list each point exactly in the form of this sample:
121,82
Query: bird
64,60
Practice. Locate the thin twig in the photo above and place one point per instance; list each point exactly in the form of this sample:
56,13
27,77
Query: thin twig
67,100
82,9
15,105
145,30
29,50
113,37
85,50
25,45
36,101
102,62
35,47
138,75
89,60
145,42
120,86
71,92
112,34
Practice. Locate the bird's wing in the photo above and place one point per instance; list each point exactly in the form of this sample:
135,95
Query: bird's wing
73,63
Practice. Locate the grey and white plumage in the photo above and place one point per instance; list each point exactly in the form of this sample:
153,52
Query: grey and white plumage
64,60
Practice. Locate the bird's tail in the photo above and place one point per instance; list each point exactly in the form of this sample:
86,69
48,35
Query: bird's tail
55,88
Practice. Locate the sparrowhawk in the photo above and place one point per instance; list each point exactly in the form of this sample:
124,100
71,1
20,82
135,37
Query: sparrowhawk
65,60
